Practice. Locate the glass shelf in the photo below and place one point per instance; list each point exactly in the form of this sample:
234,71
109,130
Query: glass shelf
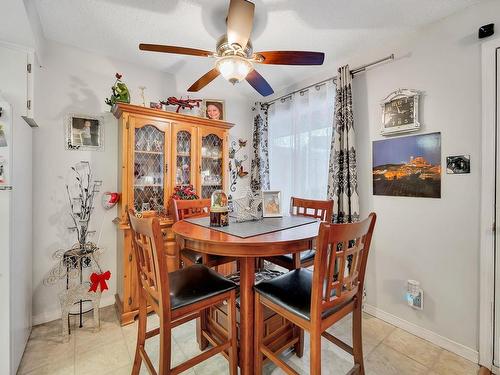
149,152
211,158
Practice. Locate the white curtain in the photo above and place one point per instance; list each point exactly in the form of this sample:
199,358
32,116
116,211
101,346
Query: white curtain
300,132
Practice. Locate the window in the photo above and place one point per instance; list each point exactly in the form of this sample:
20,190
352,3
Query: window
300,134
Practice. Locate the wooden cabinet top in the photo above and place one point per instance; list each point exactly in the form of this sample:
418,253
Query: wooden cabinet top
120,109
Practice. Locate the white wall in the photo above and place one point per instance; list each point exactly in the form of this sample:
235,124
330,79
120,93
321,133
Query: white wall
74,81
434,241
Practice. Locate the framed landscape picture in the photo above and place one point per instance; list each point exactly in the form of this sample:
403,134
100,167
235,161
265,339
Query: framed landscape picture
408,166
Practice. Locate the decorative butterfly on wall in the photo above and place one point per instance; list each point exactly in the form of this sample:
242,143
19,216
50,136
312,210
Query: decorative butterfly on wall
241,172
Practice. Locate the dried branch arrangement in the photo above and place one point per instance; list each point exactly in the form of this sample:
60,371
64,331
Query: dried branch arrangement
82,200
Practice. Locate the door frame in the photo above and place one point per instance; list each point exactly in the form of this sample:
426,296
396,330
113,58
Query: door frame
487,234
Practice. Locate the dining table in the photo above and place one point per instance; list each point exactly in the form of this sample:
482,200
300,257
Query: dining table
204,239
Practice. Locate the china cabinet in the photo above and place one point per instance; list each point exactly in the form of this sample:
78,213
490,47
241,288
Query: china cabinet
158,151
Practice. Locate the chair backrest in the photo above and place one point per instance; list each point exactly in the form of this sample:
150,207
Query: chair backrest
190,208
147,242
319,209
340,263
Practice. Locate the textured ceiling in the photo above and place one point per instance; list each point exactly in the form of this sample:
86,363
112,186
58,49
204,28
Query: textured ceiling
340,28
16,27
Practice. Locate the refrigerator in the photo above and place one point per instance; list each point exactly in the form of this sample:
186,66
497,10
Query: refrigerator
15,237
5,232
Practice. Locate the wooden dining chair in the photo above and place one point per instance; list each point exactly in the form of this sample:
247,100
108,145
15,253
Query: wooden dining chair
319,209
315,300
176,297
184,209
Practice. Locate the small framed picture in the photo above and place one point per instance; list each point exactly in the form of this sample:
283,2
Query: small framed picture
458,164
84,132
271,203
155,105
214,109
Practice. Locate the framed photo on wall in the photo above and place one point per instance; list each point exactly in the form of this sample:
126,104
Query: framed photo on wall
271,203
458,164
214,109
84,132
408,166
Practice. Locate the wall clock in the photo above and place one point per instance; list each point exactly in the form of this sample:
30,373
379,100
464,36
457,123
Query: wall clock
400,112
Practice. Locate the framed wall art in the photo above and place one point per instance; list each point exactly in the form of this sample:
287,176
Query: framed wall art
458,164
408,166
84,132
271,203
214,109
400,112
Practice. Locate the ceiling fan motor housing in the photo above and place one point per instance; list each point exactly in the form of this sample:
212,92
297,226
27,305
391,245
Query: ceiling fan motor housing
226,49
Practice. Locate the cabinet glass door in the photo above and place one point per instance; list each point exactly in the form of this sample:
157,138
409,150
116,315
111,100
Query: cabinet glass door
183,157
149,168
211,164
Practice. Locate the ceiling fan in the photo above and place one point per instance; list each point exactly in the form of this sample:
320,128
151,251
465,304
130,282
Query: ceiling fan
234,54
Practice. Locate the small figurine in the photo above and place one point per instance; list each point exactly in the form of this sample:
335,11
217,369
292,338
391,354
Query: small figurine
119,93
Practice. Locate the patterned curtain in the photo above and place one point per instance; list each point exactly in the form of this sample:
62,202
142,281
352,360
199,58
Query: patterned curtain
342,172
259,173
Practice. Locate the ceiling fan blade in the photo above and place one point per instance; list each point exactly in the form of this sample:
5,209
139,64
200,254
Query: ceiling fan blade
292,57
174,49
240,22
204,80
259,83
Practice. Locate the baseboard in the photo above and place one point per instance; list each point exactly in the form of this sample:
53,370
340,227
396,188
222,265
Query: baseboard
441,341
49,316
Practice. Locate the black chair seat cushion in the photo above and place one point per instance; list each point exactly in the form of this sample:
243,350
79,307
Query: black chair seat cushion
196,257
292,291
194,284
305,256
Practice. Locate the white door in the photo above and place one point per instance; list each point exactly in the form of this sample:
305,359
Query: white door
496,336
16,210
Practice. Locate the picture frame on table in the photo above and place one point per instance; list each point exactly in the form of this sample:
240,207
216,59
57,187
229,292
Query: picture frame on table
272,204
84,132
214,109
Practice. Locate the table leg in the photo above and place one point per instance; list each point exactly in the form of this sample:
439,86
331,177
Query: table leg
247,280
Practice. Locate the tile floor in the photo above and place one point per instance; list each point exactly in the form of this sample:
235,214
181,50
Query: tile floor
388,351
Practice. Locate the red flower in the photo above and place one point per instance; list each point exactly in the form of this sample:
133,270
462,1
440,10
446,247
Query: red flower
118,76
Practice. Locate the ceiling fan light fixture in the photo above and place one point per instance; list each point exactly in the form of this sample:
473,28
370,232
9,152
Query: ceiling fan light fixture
233,68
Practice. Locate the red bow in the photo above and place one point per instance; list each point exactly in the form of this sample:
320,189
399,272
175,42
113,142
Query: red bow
99,280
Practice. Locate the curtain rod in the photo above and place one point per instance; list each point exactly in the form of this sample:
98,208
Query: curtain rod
353,72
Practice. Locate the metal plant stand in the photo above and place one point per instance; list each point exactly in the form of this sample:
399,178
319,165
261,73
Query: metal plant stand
83,255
